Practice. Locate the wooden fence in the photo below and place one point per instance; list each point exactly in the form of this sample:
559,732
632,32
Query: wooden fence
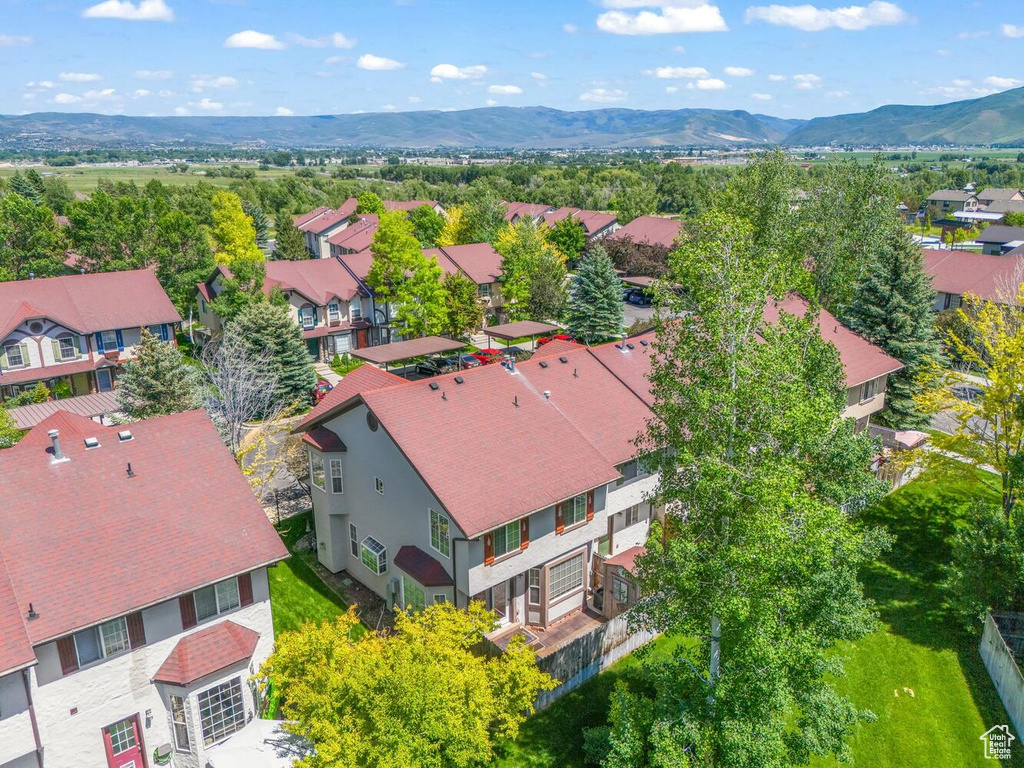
585,656
1002,643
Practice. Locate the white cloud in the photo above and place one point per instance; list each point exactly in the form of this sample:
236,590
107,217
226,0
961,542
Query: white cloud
283,112
1012,30
491,103
538,76
777,78
153,74
208,105
839,94
40,84
389,108
812,19
66,98
945,52
144,10
103,95
762,96
570,29
79,77
199,82
670,20
141,93
378,63
1003,82
415,99
504,90
335,40
603,95
806,82
250,38
961,82
9,41
677,73
671,89
708,84
738,71
452,72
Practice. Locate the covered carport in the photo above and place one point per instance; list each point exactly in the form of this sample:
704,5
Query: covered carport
510,331
386,354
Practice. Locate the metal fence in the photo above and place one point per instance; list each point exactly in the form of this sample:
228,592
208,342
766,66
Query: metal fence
1002,644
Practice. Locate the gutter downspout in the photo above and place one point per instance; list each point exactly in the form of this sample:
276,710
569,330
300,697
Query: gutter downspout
32,718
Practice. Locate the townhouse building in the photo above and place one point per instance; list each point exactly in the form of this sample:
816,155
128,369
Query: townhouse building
78,330
596,224
514,212
411,205
989,277
356,238
951,200
320,224
477,261
132,614
650,230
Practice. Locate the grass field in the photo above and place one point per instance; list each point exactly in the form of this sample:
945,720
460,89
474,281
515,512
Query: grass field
86,178
918,647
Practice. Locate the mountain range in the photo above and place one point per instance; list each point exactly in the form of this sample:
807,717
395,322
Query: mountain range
997,119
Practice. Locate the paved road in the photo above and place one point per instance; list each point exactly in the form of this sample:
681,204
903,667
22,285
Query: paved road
632,313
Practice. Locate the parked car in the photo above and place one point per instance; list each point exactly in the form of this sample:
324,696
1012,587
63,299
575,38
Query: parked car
489,355
462,361
639,298
321,389
432,367
556,337
967,392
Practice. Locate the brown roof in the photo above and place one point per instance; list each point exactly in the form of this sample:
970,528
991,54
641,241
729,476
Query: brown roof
357,237
358,264
62,557
423,567
324,439
592,221
997,193
96,404
862,361
993,278
651,230
627,558
363,379
319,280
102,301
952,195
479,261
302,218
41,372
520,328
207,651
529,210
406,350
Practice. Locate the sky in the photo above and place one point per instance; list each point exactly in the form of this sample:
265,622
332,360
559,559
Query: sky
308,57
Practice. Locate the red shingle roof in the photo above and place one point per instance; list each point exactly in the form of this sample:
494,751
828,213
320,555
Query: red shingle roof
97,543
529,210
363,379
102,301
988,277
632,367
207,651
356,237
651,230
627,558
422,567
592,221
324,218
319,280
478,260
303,218
40,372
324,440
15,649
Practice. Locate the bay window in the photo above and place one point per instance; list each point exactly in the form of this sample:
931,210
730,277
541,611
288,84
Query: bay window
374,555
221,711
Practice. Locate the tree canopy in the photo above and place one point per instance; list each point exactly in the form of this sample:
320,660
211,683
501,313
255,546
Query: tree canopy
595,299
158,381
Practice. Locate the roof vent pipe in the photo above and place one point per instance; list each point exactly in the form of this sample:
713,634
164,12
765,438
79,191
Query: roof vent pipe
58,452
622,346
547,394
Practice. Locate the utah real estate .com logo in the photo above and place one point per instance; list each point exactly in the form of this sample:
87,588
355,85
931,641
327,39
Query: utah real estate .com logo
997,742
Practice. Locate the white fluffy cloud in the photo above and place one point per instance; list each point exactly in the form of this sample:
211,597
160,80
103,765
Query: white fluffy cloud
40,84
762,96
538,76
79,77
807,82
491,103
207,105
334,40
200,82
678,73
671,89
1012,30
738,71
153,74
378,63
451,72
9,41
812,19
102,95
669,20
504,90
283,112
144,10
777,78
570,29
708,84
603,95
250,38
1003,82
66,98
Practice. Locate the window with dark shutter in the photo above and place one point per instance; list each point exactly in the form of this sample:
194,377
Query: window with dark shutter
488,548
559,517
136,630
68,655
188,611
590,505
524,533
245,589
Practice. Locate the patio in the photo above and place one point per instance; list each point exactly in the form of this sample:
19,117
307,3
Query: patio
559,634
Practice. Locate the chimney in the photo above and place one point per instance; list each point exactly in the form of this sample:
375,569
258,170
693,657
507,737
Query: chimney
58,452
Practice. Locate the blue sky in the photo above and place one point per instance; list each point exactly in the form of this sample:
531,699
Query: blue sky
265,57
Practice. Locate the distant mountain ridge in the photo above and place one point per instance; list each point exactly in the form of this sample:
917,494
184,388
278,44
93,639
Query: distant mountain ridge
995,119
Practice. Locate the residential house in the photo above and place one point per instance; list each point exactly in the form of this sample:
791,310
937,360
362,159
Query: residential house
319,225
595,223
650,230
1003,207
949,200
998,239
992,278
78,330
477,261
514,212
411,205
356,238
133,611
998,194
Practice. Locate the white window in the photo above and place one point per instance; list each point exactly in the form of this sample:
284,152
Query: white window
181,740
221,711
337,486
342,343
353,540
316,470
412,595
216,599
307,318
576,510
506,539
439,533
68,348
355,310
109,339
333,312
374,555
633,515
485,290
379,485
565,577
439,598
14,357
533,582
620,590
108,639
869,389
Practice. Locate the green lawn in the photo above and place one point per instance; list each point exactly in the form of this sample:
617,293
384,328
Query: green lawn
86,178
918,648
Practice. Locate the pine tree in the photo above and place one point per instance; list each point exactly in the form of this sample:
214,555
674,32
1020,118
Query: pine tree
595,299
892,308
260,222
290,244
263,326
157,381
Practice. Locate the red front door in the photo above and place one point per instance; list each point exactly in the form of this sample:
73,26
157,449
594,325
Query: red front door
123,743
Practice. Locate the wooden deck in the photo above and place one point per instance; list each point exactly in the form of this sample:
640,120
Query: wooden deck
547,641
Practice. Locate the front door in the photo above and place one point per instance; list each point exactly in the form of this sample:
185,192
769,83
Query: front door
124,744
313,347
103,380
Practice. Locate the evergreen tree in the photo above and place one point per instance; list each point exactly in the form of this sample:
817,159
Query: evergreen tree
21,185
157,381
290,245
263,327
260,222
892,308
369,202
595,299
